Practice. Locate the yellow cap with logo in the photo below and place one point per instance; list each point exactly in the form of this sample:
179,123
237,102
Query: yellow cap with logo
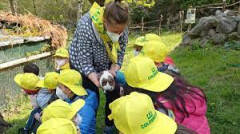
135,114
73,80
142,73
50,81
61,109
140,41
62,52
57,126
27,81
154,48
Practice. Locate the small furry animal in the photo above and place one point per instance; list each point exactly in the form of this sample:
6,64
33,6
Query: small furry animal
107,81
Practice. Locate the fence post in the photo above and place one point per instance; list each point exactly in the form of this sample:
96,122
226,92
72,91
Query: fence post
142,23
181,20
224,5
168,22
239,8
160,24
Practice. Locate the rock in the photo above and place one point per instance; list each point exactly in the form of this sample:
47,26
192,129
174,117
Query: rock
238,28
219,38
237,18
186,40
204,41
211,33
230,13
226,25
204,33
219,13
234,36
204,24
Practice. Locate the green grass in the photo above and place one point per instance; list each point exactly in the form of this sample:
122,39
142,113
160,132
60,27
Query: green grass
214,69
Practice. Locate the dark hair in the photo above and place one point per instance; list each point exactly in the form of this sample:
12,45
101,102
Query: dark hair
175,92
183,130
31,68
116,12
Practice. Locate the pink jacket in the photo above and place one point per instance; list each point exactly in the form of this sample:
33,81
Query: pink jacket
197,108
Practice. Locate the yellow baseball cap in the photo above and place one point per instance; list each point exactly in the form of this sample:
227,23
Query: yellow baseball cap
61,109
27,81
62,52
156,50
141,72
73,80
135,114
140,41
152,36
57,126
50,81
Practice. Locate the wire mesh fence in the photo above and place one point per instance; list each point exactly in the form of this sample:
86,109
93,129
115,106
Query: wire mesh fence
10,93
18,51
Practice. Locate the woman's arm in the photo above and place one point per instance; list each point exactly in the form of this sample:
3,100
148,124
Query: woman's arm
81,51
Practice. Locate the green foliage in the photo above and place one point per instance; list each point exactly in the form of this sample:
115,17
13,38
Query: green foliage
58,11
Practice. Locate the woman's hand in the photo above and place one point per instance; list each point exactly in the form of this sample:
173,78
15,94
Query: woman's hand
114,68
94,78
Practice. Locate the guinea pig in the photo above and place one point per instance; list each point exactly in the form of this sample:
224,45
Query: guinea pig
107,81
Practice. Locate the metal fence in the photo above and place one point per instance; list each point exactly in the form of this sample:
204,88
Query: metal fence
10,93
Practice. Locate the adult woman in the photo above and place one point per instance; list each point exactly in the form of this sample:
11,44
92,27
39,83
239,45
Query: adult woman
99,44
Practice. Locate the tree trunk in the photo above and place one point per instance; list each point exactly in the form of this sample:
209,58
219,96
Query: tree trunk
12,6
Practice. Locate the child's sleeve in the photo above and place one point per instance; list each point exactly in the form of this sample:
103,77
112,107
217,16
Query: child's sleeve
88,124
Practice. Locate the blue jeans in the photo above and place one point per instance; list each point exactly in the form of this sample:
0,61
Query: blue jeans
31,120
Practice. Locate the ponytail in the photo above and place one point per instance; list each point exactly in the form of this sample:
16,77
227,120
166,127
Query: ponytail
116,12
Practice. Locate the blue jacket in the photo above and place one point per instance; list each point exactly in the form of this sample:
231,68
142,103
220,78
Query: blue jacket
87,112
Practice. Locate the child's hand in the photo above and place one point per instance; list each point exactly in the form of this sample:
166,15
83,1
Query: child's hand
37,116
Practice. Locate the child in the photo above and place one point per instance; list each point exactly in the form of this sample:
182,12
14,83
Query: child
28,82
48,85
135,114
138,45
155,49
40,99
61,59
31,68
174,97
61,109
70,89
58,126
